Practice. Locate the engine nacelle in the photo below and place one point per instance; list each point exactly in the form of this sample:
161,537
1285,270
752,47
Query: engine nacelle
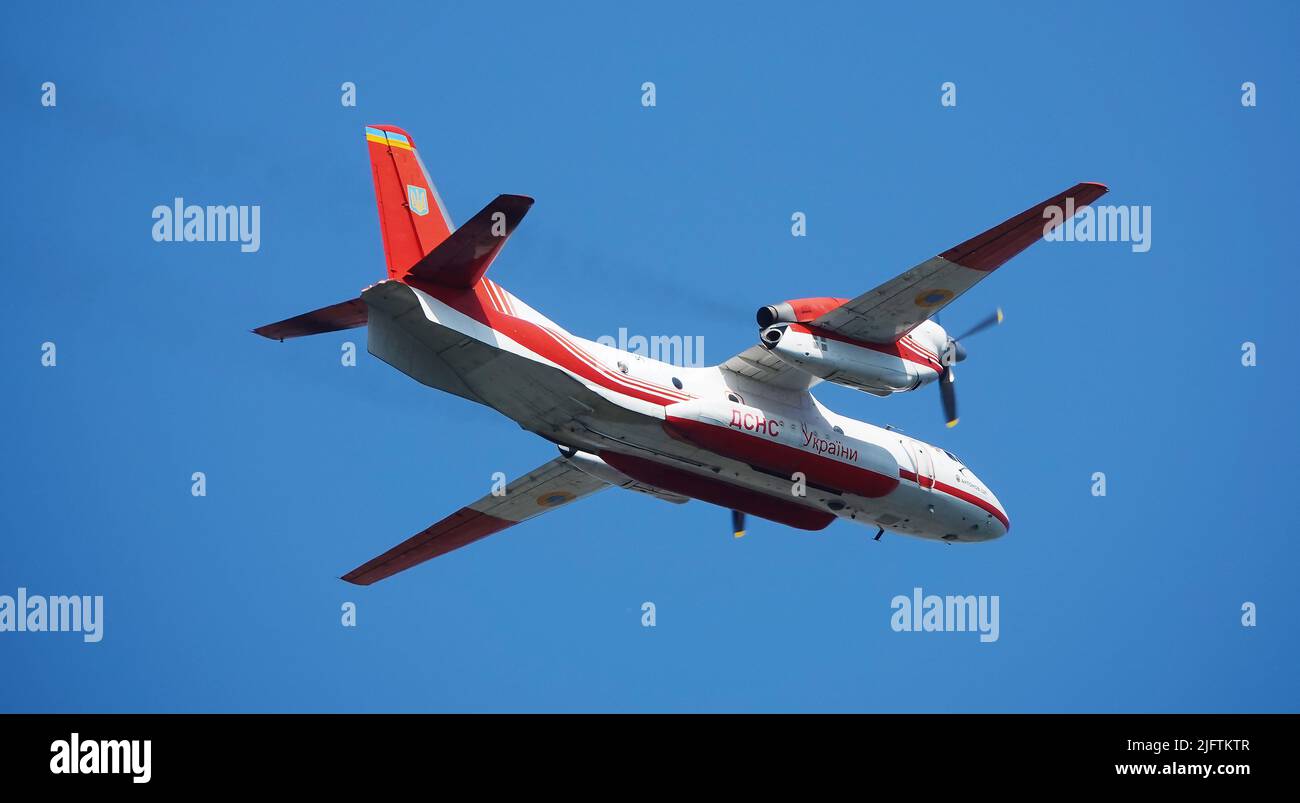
877,368
799,310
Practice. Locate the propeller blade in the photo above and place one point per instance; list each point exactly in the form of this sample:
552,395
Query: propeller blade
993,320
948,394
738,524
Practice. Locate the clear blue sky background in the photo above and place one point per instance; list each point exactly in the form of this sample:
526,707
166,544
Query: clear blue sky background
671,220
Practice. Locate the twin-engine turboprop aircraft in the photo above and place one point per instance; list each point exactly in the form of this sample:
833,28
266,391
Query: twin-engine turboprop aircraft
746,434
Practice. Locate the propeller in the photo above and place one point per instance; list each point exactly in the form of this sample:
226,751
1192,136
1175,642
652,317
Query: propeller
989,322
954,353
738,523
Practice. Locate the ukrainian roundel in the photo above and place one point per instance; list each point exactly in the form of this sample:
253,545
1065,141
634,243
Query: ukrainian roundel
553,499
418,199
933,298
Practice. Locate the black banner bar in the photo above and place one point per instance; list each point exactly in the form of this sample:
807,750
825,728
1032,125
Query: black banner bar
335,752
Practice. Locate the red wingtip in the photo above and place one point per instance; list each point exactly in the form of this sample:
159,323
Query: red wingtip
994,247
1091,191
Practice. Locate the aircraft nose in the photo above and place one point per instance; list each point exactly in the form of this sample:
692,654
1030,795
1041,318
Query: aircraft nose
995,522
976,517
1000,517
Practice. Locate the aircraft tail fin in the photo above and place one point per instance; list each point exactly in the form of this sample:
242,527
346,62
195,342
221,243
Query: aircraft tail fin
412,217
420,244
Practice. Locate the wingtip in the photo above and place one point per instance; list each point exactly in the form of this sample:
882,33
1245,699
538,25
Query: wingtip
258,331
1095,187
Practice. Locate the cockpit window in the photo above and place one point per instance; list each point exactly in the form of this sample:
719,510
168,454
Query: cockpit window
954,457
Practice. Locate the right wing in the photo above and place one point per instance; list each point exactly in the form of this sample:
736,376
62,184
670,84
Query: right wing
546,488
893,309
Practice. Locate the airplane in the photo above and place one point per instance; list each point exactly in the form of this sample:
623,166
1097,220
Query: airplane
746,434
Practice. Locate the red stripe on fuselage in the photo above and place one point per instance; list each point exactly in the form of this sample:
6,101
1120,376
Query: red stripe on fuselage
617,377
479,304
965,496
819,470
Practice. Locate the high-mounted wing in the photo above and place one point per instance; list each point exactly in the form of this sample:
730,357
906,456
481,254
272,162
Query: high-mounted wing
893,309
543,489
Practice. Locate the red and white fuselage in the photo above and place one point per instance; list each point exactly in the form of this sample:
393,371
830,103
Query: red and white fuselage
702,433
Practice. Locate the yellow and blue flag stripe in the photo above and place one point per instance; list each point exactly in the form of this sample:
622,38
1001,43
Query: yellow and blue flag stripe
389,138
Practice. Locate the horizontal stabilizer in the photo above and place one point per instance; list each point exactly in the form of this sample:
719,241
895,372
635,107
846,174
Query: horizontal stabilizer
463,258
334,318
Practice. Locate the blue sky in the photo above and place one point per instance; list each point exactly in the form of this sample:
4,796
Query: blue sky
668,220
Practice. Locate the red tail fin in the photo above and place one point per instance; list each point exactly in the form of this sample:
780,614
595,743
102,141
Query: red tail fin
411,214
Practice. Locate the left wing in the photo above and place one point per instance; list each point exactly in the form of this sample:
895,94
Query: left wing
893,309
546,488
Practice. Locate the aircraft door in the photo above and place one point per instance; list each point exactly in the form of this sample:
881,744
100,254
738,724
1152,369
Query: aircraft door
923,462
